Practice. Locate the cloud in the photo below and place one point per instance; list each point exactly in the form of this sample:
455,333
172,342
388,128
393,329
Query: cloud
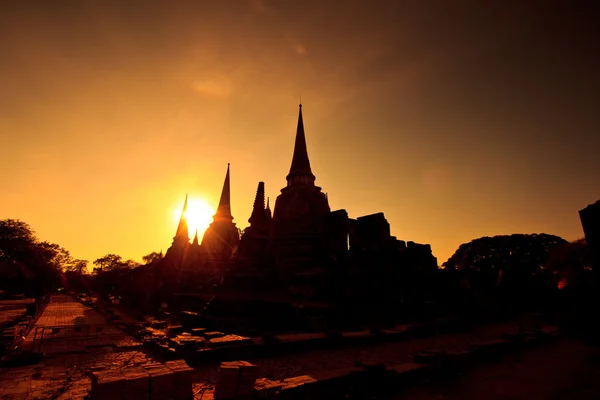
437,178
219,87
301,50
260,5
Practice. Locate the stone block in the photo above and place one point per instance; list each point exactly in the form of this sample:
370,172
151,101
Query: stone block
429,357
211,335
137,383
182,379
159,324
176,329
198,331
236,379
108,385
295,388
407,371
266,389
227,382
161,382
229,340
187,343
246,380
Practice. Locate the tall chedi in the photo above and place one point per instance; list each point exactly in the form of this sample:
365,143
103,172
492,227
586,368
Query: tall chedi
222,236
181,240
261,217
255,240
299,212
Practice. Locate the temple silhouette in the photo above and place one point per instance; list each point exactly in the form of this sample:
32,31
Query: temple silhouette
300,266
590,222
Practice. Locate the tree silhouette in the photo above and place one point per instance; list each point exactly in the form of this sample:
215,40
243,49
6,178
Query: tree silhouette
26,265
108,262
79,266
15,237
505,270
154,256
494,253
129,264
59,256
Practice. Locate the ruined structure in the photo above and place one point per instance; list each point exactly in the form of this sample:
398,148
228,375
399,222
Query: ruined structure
590,222
304,262
298,215
254,244
179,248
222,236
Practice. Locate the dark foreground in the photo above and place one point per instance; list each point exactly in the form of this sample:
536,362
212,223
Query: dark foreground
556,368
565,368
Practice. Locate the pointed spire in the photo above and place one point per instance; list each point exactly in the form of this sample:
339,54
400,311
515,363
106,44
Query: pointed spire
224,209
195,242
268,210
259,204
300,171
182,228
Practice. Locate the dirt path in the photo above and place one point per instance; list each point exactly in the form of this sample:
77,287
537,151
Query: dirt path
562,369
77,326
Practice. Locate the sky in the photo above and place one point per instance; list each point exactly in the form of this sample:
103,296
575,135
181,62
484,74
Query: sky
457,119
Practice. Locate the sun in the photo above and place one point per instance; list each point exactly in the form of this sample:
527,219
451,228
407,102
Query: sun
199,216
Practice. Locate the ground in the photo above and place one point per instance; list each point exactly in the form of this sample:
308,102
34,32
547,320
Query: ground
321,361
562,369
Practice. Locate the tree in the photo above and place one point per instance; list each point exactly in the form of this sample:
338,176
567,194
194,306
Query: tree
111,262
129,264
26,265
75,276
58,256
505,270
108,262
150,258
15,237
490,254
79,266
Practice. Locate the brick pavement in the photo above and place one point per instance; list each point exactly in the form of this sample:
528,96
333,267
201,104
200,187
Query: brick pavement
81,327
63,310
62,372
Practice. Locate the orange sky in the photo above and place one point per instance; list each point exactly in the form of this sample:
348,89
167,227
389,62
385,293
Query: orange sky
456,121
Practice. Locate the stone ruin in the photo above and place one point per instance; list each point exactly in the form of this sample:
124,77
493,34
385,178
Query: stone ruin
303,261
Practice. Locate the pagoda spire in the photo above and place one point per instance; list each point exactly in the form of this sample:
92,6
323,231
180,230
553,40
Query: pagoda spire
268,210
258,210
195,242
224,209
182,228
300,172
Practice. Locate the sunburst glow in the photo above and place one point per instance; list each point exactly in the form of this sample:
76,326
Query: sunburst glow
199,216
